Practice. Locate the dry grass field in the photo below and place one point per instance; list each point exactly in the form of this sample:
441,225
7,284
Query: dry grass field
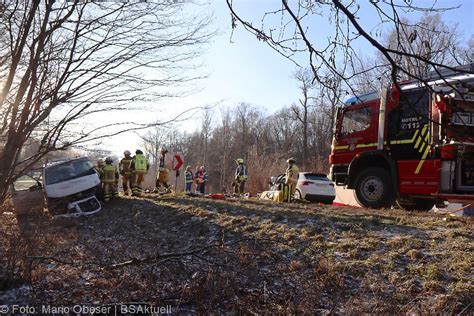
241,256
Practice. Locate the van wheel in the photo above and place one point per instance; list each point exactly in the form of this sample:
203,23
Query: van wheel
373,188
422,205
56,206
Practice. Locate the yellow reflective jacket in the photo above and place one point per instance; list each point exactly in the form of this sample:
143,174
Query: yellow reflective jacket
241,173
140,163
291,174
124,166
110,174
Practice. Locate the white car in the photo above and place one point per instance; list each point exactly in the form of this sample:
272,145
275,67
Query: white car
315,187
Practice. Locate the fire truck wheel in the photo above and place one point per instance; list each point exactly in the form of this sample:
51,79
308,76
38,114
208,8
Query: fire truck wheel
422,205
373,188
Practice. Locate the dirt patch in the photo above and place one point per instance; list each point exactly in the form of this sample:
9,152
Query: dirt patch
202,255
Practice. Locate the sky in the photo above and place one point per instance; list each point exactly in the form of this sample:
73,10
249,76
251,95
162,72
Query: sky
242,69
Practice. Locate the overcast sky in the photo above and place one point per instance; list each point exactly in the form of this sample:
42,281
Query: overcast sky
248,70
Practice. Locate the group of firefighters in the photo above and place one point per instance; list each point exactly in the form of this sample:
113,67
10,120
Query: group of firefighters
132,170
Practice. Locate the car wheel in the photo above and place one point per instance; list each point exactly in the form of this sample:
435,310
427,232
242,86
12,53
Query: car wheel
373,188
298,195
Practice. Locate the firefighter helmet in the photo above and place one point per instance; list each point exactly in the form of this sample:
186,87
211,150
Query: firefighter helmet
126,153
291,160
100,162
138,152
240,161
202,168
108,160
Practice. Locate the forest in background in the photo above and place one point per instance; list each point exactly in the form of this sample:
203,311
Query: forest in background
304,129
263,141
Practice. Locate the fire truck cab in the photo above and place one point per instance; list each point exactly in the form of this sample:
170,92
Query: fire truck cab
413,145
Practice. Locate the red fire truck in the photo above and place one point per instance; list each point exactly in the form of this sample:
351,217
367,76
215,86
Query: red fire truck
412,145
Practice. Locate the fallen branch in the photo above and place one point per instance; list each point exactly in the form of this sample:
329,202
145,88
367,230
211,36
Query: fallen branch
159,258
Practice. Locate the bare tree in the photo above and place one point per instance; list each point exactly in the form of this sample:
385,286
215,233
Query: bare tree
64,62
467,53
301,111
225,147
284,132
206,130
429,38
330,55
369,73
155,139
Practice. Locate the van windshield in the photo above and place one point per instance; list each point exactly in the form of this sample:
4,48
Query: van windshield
69,170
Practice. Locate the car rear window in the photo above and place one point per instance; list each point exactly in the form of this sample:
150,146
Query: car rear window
316,176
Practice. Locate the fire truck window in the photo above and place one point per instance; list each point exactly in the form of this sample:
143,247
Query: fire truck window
414,109
356,120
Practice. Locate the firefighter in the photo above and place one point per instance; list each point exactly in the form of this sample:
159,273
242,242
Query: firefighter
291,177
163,174
139,167
110,178
126,172
100,170
201,179
241,176
188,179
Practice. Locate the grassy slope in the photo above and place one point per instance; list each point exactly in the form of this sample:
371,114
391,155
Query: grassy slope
208,255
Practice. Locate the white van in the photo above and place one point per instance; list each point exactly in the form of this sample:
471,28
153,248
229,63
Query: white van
69,187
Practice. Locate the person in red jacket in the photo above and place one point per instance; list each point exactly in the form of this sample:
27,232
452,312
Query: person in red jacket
201,179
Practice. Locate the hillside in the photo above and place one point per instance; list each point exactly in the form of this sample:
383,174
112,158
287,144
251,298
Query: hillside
202,255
